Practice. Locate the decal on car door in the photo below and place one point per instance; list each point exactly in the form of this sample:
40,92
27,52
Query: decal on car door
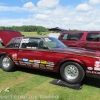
36,63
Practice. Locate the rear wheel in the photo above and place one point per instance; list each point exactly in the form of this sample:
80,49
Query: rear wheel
6,63
72,72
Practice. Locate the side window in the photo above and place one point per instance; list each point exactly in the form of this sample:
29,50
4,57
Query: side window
64,36
74,36
14,43
17,43
71,36
29,43
93,37
33,43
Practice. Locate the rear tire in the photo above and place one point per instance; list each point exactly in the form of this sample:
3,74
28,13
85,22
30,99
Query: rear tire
72,72
6,63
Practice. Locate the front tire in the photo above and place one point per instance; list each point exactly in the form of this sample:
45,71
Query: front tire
6,63
72,72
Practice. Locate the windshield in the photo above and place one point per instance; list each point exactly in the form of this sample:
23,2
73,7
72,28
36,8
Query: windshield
54,43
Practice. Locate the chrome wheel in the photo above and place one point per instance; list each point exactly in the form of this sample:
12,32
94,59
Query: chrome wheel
71,72
6,62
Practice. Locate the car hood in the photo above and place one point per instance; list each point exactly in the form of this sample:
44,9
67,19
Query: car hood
78,51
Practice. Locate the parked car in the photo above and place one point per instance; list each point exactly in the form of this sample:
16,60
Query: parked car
83,39
49,54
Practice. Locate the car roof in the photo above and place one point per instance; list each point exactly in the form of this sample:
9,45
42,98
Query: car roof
80,31
34,37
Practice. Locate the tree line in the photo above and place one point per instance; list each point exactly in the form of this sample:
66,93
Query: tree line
25,28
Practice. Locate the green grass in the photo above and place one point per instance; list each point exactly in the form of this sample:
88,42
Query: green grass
33,33
30,84
30,33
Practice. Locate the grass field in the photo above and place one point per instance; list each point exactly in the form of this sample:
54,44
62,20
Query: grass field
32,33
30,84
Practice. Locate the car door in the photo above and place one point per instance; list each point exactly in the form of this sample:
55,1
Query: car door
92,41
32,56
71,39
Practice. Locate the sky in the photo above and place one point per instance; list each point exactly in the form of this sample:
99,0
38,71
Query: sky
66,14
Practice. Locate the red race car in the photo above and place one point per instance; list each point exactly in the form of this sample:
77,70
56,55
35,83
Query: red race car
48,53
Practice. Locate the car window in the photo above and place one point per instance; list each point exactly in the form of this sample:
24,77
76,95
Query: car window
14,43
54,43
93,37
17,43
33,43
71,36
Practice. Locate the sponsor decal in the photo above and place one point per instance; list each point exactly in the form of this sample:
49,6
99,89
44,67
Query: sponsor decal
34,47
25,59
14,56
89,68
28,47
47,39
19,58
42,66
50,63
97,65
35,65
50,68
16,63
43,62
97,68
22,63
92,72
25,40
31,61
37,61
29,65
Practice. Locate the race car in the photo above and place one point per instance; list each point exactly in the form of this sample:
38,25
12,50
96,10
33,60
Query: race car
49,54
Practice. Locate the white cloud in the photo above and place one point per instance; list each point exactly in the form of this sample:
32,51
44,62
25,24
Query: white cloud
83,17
29,6
41,17
17,22
94,2
60,17
83,7
47,3
6,8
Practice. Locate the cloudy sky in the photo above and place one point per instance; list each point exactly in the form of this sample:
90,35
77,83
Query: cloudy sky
67,14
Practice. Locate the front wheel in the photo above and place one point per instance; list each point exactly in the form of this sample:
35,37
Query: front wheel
6,63
72,72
